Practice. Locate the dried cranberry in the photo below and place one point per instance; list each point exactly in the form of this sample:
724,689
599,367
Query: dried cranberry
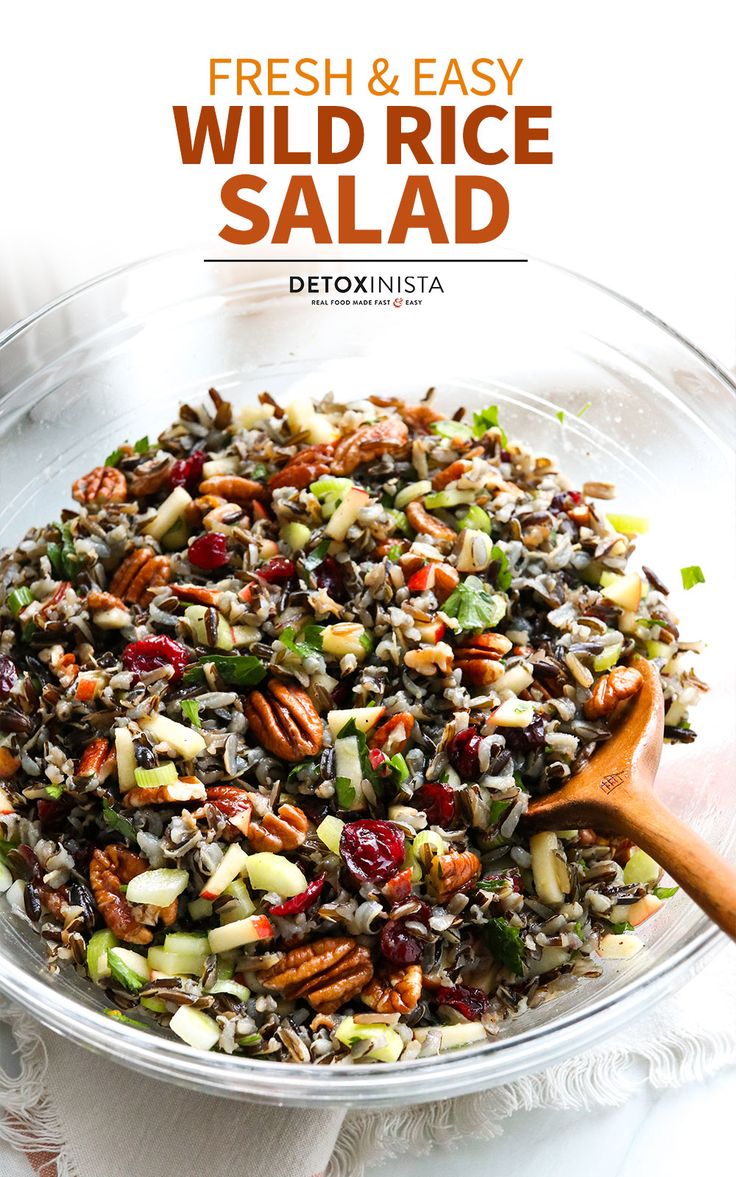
329,576
522,739
398,945
188,471
372,850
471,1003
150,653
463,753
302,901
51,814
8,675
437,801
209,551
278,570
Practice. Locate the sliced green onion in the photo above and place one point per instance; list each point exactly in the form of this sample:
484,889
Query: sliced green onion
153,778
18,599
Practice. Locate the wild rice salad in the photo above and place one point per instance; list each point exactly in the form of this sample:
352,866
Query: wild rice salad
273,699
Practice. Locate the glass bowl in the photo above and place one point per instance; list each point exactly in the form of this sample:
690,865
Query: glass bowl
113,359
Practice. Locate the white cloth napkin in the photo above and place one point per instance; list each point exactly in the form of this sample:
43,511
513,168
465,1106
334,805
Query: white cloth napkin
96,1119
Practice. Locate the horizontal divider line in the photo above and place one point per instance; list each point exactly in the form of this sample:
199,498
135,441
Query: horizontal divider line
366,261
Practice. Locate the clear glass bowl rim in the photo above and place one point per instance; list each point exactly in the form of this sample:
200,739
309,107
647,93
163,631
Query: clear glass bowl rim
291,1084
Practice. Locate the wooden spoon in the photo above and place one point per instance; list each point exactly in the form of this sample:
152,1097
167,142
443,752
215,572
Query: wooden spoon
614,793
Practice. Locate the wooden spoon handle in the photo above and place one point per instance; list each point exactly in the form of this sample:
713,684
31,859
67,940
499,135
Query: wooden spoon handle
708,879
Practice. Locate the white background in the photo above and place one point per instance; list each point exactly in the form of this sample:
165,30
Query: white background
640,197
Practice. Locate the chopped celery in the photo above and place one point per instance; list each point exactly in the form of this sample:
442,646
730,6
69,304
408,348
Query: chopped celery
158,887
194,616
427,845
233,988
387,1047
176,537
608,657
629,524
154,778
659,650
128,968
476,518
330,486
448,498
99,945
200,909
18,599
409,493
401,521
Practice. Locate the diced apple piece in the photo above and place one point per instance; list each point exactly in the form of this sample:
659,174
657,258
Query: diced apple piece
168,513
432,631
273,872
220,466
234,862
550,883
459,1034
6,805
641,868
348,511
295,535
387,1047
624,591
513,713
636,913
551,958
125,759
614,947
329,832
349,768
516,679
157,887
235,935
174,964
114,618
248,416
195,1028
364,718
346,637
194,615
184,740
321,430
299,413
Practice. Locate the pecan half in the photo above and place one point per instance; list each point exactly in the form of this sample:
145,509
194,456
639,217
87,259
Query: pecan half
275,832
622,683
450,473
393,735
104,484
368,443
479,658
111,869
284,720
420,416
452,872
93,757
394,992
96,601
139,575
195,511
194,592
328,973
149,477
234,804
234,488
305,467
426,524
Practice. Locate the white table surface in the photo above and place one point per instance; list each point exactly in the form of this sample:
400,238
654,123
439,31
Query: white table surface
678,1132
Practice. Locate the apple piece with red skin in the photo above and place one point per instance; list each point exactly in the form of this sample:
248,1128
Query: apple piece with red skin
233,863
432,631
240,932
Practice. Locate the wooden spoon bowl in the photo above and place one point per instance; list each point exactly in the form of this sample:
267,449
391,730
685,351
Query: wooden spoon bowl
614,793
